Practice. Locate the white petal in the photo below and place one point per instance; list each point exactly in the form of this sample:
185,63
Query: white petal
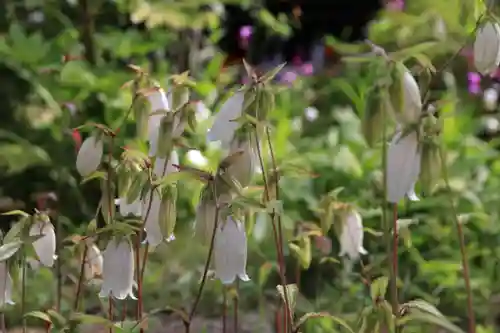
124,270
490,99
487,48
230,252
159,101
224,127
134,208
351,239
93,262
89,156
402,157
412,98
45,247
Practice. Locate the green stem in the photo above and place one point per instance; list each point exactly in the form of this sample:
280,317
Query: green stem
461,239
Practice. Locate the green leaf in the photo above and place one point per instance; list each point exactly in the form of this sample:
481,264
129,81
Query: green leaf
16,212
411,51
312,315
59,320
378,288
9,249
91,319
40,315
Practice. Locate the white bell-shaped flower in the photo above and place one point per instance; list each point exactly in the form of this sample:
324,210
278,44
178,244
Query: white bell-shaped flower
487,48
490,99
118,270
230,252
351,238
225,123
5,285
205,221
45,246
93,266
89,156
243,167
412,99
403,161
125,209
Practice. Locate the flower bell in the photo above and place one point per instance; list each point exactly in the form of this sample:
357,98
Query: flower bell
5,285
159,102
45,246
487,48
89,156
93,266
351,237
225,123
230,252
403,165
118,270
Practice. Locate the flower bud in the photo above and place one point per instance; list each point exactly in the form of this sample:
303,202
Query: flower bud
230,252
118,269
403,158
141,116
167,211
179,96
351,237
225,123
45,246
242,167
89,156
5,285
151,214
487,48
205,218
405,96
430,165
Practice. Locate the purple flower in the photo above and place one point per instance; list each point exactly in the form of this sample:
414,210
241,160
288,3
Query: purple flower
307,69
474,82
396,5
246,31
288,77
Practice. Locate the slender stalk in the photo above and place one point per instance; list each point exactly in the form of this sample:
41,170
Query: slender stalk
23,288
395,253
236,307
276,233
110,312
2,322
224,309
461,239
207,265
79,286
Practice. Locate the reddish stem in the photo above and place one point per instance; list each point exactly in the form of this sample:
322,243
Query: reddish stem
395,252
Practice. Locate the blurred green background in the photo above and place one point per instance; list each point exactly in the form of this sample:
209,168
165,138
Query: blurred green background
317,130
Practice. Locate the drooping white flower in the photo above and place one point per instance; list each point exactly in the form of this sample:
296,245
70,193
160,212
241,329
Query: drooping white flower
118,270
243,167
93,266
230,252
490,99
225,123
351,238
403,156
5,285
487,48
45,246
126,209
412,100
196,158
89,156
